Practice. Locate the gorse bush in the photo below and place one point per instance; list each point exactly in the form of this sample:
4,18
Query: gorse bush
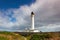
40,37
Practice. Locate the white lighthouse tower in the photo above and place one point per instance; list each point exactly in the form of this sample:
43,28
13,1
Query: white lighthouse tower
32,29
32,21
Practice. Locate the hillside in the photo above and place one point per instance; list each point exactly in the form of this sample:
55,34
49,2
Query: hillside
29,36
10,36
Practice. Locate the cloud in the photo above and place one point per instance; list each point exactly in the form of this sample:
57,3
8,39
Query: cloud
49,28
46,12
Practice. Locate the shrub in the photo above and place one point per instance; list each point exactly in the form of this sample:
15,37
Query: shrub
40,36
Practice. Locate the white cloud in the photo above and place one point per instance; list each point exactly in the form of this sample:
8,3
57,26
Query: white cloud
49,28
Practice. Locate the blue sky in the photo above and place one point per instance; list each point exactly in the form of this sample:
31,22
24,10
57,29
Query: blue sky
6,4
15,14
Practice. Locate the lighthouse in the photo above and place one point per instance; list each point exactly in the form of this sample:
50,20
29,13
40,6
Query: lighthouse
32,28
32,21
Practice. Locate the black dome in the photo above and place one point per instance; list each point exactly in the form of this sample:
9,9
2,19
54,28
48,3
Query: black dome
32,13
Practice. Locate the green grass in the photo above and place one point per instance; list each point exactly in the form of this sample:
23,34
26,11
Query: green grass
39,36
10,36
3,38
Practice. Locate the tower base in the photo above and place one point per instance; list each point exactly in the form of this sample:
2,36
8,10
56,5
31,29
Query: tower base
31,31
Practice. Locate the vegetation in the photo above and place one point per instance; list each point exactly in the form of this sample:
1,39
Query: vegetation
3,38
10,36
40,36
28,36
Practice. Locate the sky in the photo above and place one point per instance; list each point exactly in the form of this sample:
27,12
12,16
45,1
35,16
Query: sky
15,15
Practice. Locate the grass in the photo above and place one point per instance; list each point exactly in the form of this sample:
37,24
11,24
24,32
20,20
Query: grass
3,38
10,36
39,36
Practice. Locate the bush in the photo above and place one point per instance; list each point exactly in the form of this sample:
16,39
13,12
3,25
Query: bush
40,36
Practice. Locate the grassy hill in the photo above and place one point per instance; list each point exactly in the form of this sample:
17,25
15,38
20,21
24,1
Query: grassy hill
10,36
29,36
